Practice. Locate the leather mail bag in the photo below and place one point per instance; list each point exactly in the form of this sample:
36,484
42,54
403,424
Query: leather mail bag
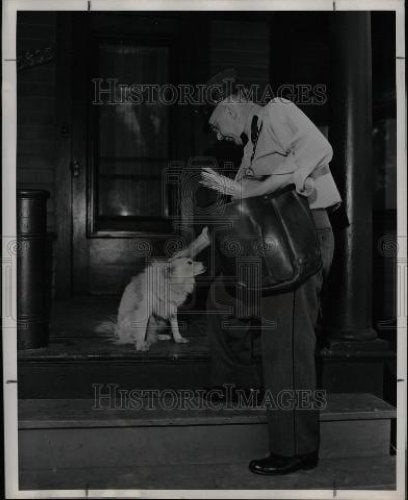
268,243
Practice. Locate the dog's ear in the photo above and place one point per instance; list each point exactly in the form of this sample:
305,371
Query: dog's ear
168,270
176,256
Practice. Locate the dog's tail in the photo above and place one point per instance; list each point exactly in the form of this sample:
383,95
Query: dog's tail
163,336
107,326
111,328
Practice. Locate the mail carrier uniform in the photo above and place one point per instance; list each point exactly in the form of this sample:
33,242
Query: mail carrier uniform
287,142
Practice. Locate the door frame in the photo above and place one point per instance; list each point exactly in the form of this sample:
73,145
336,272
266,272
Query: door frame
63,150
73,30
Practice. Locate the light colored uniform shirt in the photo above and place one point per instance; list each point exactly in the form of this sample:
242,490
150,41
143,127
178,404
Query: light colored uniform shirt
289,143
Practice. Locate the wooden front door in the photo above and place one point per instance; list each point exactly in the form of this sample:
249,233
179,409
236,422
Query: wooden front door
124,144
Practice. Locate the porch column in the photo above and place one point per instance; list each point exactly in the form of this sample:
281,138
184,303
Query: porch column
349,306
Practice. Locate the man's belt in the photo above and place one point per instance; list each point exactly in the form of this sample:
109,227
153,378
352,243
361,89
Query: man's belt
317,172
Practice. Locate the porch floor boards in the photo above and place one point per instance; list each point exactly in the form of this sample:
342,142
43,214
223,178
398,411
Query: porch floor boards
74,334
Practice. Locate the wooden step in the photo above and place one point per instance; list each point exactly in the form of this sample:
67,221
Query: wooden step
368,473
79,355
72,433
68,368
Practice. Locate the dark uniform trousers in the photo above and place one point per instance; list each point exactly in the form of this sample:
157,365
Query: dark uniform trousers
288,342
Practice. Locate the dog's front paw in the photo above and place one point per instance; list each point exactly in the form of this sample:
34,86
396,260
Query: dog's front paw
181,340
142,346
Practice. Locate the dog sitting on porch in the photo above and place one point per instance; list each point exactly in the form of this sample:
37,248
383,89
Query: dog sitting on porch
151,299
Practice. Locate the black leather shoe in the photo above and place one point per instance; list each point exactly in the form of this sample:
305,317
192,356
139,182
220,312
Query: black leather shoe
276,464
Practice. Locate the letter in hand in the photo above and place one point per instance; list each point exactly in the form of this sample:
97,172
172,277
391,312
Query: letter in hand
220,183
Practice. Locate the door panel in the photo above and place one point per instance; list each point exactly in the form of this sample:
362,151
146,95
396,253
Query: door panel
122,148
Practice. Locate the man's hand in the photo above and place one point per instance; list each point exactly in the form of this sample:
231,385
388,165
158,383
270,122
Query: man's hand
308,187
220,183
196,246
203,240
248,188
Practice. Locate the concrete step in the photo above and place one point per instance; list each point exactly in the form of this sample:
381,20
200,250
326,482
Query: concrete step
56,434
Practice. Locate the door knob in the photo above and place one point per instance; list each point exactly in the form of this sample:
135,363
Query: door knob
75,168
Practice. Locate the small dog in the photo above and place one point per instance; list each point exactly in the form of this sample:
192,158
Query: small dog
152,298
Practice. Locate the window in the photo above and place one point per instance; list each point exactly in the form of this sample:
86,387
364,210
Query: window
131,141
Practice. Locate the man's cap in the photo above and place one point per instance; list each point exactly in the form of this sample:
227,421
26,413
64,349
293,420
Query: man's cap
214,90
222,78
